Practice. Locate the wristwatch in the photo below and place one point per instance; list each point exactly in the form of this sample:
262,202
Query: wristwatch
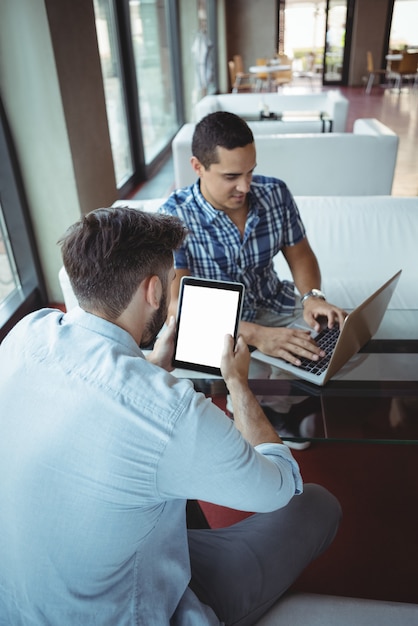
313,293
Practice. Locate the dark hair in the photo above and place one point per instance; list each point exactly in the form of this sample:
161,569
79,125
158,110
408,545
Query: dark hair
109,252
222,129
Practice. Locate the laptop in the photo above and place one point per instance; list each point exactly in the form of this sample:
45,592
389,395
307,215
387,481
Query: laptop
207,311
340,344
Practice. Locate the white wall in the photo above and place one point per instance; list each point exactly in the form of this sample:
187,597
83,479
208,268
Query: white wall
33,106
59,128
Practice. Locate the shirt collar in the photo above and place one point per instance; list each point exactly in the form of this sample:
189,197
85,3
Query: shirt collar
213,214
96,324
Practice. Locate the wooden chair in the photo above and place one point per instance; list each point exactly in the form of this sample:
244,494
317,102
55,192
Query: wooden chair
240,81
372,72
239,65
262,78
285,76
407,69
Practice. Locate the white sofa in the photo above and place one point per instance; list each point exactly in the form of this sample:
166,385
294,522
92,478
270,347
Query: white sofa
248,105
359,241
311,609
360,163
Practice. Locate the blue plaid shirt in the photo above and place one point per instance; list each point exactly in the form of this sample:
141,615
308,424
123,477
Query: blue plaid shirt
214,247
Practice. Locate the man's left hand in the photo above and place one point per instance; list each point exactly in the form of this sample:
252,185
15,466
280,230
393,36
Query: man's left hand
162,353
315,309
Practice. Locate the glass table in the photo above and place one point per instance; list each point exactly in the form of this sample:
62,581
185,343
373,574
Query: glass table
373,398
323,119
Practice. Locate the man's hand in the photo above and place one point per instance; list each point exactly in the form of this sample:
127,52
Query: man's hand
235,362
162,354
290,344
249,417
315,309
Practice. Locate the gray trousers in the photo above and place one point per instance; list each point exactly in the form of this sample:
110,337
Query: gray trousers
242,570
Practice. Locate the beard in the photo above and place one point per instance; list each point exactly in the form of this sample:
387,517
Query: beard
155,324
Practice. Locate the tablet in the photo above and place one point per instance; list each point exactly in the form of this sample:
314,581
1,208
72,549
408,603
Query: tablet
207,311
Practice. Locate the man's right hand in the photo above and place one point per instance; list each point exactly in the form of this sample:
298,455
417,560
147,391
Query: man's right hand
249,417
290,344
235,361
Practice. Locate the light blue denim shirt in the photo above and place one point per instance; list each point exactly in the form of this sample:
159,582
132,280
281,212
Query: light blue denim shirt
99,450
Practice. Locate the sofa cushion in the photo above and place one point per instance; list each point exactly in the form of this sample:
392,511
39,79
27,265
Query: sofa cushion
315,164
360,242
303,609
248,105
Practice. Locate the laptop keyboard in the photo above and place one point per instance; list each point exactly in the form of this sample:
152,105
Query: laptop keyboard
326,340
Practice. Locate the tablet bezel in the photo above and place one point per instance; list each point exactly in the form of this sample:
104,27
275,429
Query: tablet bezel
211,284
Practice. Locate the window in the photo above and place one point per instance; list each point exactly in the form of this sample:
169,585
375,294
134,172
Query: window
21,286
107,39
137,42
151,48
9,279
316,35
403,32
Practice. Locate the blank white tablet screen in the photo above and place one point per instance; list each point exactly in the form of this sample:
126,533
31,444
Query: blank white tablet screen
207,315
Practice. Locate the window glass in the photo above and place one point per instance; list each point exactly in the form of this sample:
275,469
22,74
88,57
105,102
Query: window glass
22,289
114,91
301,38
403,32
9,280
335,40
314,36
151,50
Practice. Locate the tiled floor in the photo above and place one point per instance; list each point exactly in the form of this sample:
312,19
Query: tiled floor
398,111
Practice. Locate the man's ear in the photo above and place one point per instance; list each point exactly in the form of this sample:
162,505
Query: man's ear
196,165
153,291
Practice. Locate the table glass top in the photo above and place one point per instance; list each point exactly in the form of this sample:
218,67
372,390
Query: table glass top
381,406
348,418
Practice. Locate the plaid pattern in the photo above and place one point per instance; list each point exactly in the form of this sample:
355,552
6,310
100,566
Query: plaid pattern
214,249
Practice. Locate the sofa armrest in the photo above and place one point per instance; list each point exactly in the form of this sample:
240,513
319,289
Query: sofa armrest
208,104
372,126
360,242
300,609
336,106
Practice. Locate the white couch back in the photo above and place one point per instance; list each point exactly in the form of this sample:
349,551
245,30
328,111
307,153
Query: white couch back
360,242
248,105
314,164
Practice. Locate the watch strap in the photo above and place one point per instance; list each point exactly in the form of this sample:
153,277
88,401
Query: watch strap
313,293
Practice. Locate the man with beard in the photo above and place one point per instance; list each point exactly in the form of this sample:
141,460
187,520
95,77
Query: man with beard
100,448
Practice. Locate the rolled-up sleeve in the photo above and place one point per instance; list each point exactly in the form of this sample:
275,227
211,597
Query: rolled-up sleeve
208,459
280,455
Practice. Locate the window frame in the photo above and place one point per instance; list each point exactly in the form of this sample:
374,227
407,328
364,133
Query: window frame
31,295
142,171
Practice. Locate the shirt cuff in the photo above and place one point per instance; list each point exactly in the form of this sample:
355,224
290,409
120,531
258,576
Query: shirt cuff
282,451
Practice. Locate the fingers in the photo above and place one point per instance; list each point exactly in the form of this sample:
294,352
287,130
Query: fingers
317,309
298,347
171,326
235,360
228,345
290,344
336,316
240,345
